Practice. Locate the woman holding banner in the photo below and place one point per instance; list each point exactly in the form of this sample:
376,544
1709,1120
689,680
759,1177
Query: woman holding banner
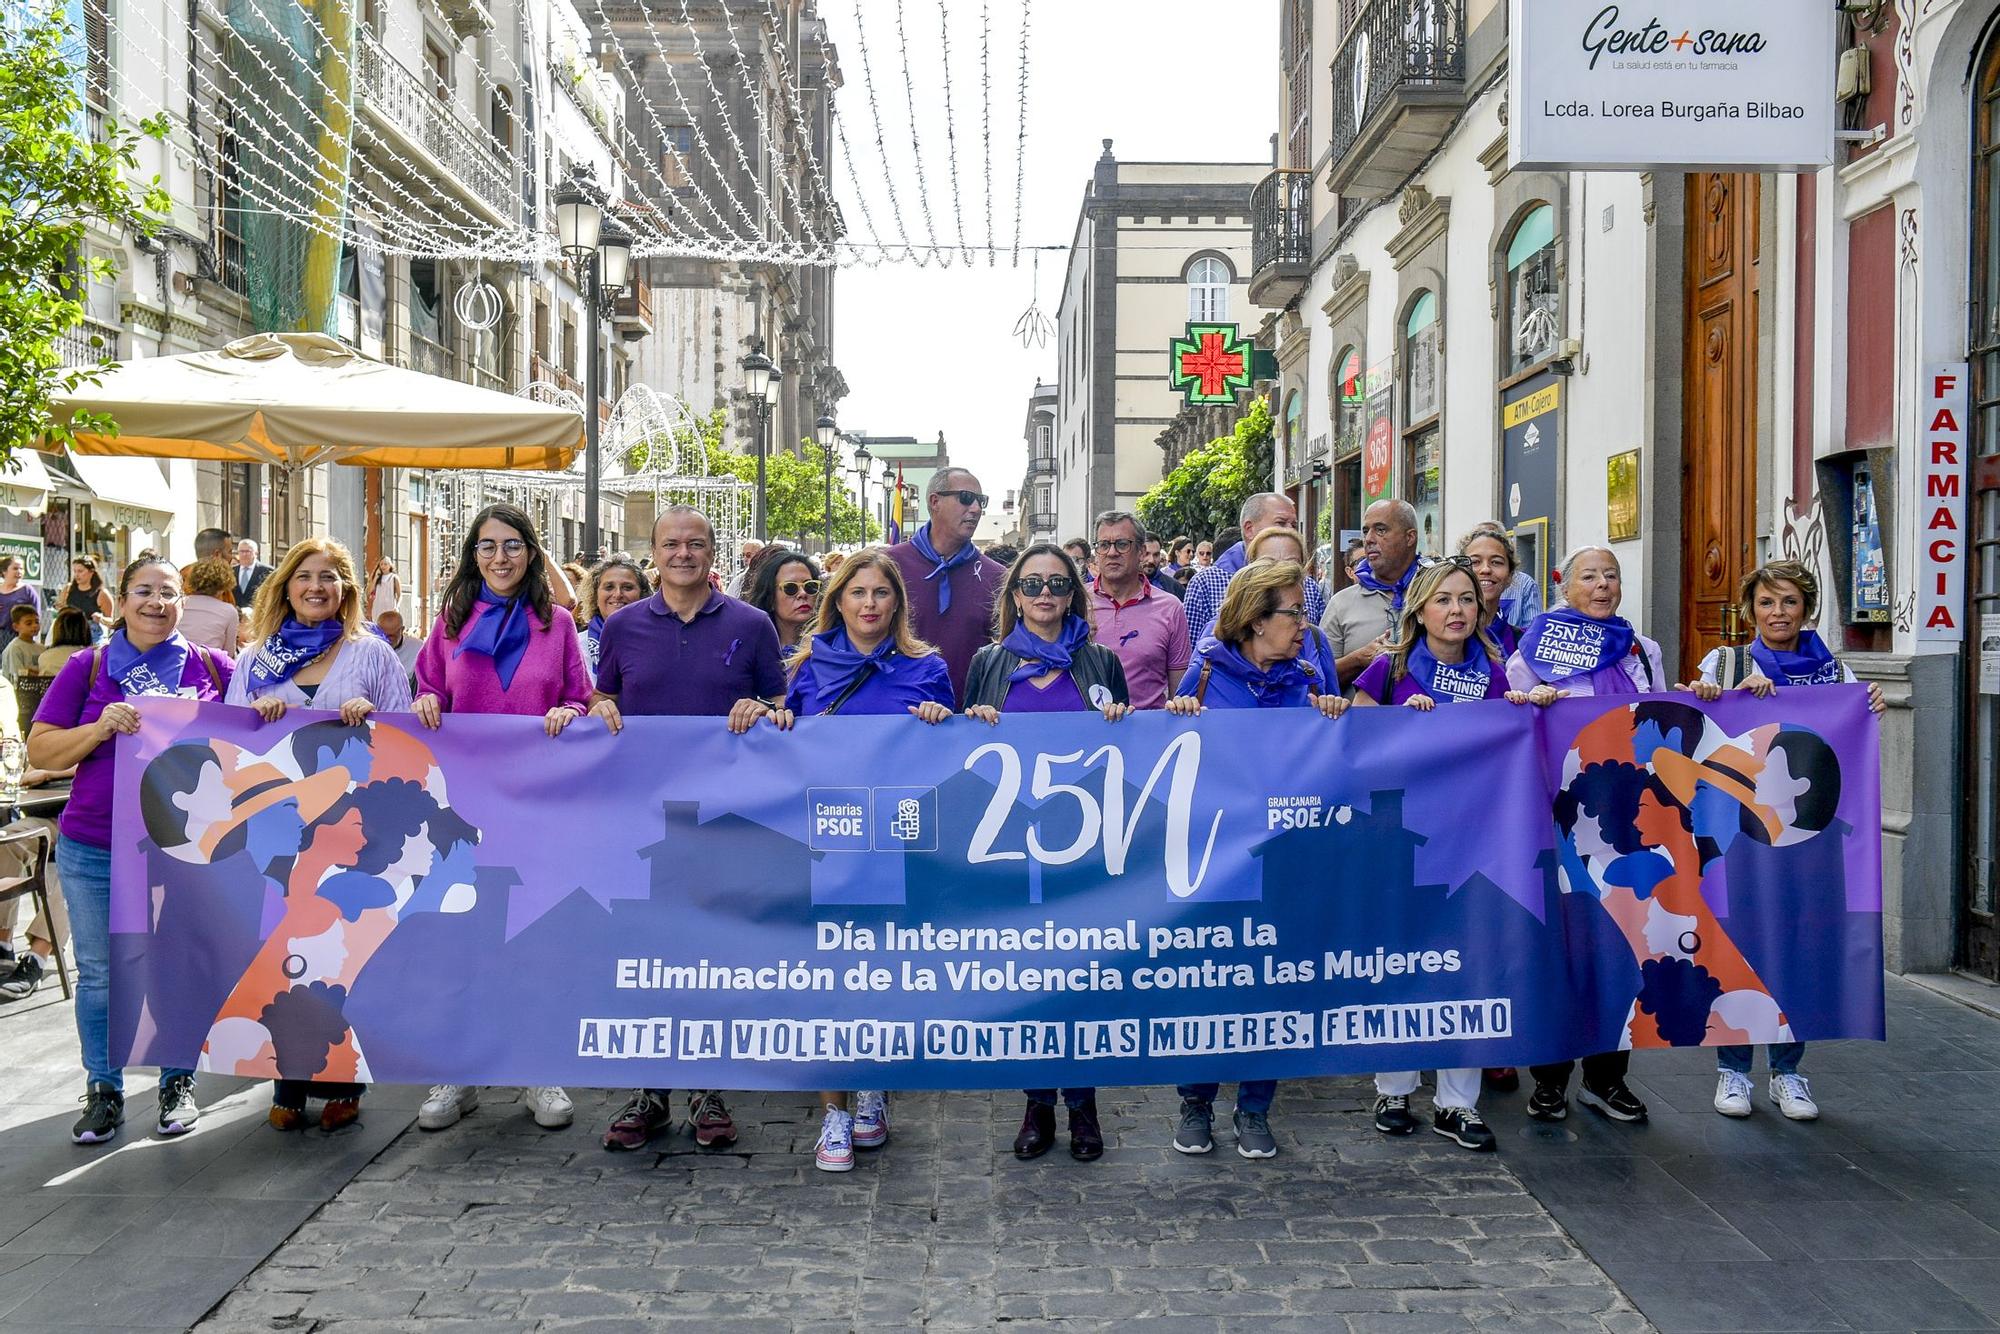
1044,662
310,649
1584,647
86,707
1251,661
863,658
616,582
1444,652
499,646
1782,600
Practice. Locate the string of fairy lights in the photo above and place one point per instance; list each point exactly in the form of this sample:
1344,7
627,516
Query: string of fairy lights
702,132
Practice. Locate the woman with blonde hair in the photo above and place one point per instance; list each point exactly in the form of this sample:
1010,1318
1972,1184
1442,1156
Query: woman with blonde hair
1280,544
208,613
311,649
863,658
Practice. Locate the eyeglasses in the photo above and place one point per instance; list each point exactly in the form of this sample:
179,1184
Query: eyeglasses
1115,545
1058,585
969,499
1298,614
791,588
1461,563
486,548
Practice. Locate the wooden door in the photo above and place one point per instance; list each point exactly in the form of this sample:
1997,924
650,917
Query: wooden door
1719,425
1979,918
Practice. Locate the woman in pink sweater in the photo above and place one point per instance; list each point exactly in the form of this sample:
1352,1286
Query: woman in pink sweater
501,646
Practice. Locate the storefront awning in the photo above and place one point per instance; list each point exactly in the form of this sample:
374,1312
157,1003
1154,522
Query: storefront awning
125,491
24,483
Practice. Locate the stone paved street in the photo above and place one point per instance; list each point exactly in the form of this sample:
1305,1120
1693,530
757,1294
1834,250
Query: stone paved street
1884,1215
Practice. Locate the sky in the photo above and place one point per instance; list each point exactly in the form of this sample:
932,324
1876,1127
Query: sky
932,349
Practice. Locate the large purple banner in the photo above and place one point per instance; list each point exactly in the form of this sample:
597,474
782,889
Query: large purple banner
1055,901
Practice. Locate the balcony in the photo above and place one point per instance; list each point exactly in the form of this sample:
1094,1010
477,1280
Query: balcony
1398,87
1280,238
432,132
1041,465
432,358
632,313
545,371
87,344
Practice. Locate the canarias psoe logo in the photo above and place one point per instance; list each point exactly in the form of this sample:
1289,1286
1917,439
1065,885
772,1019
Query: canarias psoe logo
1612,34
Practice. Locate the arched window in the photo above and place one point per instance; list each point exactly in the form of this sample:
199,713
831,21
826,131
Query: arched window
1423,440
1534,306
1295,433
501,113
1208,291
1420,358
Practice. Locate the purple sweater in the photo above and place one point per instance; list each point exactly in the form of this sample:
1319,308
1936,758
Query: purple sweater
968,627
551,671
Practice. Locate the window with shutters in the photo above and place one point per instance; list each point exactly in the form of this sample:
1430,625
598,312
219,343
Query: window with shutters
97,60
1208,280
1298,85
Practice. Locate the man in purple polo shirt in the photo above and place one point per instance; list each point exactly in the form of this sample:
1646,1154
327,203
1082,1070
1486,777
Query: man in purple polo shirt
1146,628
685,651
951,584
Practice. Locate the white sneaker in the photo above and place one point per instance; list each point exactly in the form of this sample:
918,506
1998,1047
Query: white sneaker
835,1150
871,1119
1732,1093
549,1105
446,1103
1793,1098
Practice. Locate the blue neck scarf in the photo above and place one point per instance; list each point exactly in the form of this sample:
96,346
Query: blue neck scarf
836,663
1811,664
1364,574
965,555
279,658
1565,643
1451,683
1038,655
595,629
157,671
1281,685
501,633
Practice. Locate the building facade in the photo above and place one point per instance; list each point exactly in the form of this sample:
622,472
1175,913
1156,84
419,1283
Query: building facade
1037,500
1157,245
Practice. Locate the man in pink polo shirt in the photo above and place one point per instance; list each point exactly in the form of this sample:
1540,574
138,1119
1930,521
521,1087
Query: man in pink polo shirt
1146,628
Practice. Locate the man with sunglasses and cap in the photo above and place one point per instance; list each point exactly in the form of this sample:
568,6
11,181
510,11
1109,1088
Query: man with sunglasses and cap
952,585
1146,628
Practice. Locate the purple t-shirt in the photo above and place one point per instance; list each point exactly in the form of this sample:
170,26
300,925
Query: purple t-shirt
656,663
1058,696
87,817
968,627
1376,675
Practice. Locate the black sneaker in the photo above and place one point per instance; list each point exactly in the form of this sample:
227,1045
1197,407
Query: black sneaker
1548,1103
1465,1127
178,1112
1613,1100
1253,1134
103,1113
1392,1114
1196,1132
20,982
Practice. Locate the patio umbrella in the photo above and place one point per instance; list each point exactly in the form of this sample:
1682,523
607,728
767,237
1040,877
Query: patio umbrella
296,399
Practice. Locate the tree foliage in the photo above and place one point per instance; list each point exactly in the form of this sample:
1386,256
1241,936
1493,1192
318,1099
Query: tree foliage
794,484
1204,493
55,180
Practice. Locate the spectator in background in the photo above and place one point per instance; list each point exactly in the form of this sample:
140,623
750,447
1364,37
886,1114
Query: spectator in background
1267,509
1180,553
22,656
250,573
1204,554
1360,622
1080,552
69,635
85,591
952,587
786,588
15,591
1147,630
1156,573
1003,553
385,589
747,561
406,645
209,614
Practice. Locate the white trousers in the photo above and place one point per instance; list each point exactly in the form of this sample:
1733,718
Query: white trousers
1456,1088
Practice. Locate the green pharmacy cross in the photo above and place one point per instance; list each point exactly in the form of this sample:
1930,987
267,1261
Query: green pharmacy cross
1211,363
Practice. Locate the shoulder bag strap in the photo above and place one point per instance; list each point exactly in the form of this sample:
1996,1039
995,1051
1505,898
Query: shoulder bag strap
1201,684
96,666
860,680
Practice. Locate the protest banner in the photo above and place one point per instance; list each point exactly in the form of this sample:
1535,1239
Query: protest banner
1055,901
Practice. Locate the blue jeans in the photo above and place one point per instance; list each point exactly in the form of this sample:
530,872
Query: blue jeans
86,885
1252,1095
1072,1098
1784,1057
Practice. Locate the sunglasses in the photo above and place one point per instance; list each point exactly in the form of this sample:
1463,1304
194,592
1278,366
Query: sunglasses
1059,585
791,588
968,498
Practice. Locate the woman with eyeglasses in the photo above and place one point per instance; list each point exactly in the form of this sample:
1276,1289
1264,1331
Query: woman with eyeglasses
863,658
1044,662
616,582
1288,544
1204,554
1250,661
501,645
786,588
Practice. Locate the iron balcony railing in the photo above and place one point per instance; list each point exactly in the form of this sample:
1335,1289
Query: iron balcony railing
1395,46
87,344
1042,465
1281,220
434,125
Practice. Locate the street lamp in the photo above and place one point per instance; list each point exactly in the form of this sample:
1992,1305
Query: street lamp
862,458
759,381
827,432
601,250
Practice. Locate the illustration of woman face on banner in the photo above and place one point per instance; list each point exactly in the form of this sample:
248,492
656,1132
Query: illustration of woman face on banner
351,830
1655,794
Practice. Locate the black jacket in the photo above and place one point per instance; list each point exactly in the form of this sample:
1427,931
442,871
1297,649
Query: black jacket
986,682
247,594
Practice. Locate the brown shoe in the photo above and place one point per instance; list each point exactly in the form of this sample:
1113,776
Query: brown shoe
287,1118
1038,1132
339,1112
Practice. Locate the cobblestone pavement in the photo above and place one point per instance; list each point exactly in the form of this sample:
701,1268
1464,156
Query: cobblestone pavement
502,1226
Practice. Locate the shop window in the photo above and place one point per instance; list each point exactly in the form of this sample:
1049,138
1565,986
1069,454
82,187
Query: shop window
1534,305
1350,403
1208,291
1295,434
1423,440
1420,359
1424,467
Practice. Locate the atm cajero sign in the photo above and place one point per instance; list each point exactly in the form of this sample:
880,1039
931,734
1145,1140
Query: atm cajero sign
1642,85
